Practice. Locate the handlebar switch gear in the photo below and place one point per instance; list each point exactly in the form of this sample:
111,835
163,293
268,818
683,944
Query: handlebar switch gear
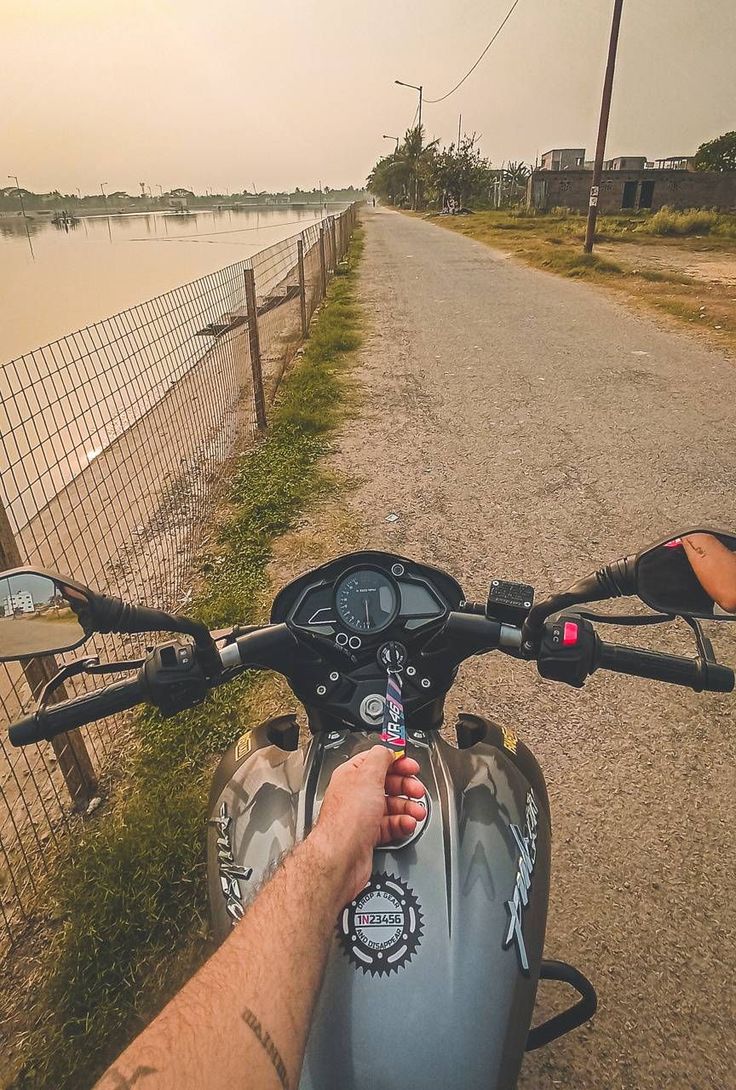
509,603
568,650
174,677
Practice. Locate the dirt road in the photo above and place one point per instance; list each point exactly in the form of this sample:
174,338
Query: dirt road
526,426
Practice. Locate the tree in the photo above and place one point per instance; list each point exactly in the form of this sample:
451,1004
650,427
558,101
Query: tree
718,154
518,174
460,173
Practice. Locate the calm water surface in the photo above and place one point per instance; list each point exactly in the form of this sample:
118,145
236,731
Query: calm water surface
103,265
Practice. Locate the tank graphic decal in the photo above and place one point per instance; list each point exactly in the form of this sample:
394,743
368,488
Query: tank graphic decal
380,931
526,842
231,875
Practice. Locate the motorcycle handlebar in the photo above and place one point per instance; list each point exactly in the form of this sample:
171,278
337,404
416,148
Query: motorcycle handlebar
59,718
694,673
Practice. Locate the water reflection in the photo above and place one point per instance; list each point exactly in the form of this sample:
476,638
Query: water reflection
105,264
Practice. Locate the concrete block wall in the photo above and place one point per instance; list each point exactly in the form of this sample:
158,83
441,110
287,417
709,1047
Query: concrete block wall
675,188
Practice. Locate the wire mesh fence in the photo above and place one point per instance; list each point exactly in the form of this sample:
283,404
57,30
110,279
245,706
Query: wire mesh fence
112,447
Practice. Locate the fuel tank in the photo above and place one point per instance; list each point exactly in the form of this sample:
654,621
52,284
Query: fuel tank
433,970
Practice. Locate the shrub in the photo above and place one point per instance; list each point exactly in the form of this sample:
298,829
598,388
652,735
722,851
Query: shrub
694,221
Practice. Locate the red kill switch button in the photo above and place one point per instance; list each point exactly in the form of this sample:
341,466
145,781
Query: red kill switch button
570,634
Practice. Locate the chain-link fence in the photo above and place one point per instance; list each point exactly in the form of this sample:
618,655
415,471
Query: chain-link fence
113,442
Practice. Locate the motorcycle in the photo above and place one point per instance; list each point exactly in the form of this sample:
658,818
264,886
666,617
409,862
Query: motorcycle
449,931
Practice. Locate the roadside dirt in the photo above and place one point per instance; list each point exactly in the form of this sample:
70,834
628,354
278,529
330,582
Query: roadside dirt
707,265
521,425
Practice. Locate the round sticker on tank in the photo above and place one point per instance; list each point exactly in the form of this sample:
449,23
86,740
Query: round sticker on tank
381,929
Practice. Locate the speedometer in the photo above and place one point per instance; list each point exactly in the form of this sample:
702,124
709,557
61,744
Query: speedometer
366,601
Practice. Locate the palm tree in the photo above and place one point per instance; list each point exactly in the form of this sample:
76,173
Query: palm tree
415,154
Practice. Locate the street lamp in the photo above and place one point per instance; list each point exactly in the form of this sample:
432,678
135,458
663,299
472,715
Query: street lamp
107,210
420,89
393,138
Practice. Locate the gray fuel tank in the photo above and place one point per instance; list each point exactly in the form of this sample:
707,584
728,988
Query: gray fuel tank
433,971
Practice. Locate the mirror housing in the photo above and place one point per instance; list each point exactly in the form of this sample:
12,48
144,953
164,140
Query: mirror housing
692,574
41,613
92,613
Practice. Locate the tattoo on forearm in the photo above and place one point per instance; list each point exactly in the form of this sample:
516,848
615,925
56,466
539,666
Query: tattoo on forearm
266,1042
122,1082
695,548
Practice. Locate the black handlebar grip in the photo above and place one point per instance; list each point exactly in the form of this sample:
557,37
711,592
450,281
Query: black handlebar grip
59,718
674,669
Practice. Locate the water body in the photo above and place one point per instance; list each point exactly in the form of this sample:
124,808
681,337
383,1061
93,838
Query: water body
103,265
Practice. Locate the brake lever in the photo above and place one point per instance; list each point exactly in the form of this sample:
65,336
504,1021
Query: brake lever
89,665
705,647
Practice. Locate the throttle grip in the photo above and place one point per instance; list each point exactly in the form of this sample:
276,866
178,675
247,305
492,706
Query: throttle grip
59,718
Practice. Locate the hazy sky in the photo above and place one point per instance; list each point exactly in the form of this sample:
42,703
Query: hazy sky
228,93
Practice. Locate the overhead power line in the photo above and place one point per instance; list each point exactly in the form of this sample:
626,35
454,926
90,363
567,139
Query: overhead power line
470,71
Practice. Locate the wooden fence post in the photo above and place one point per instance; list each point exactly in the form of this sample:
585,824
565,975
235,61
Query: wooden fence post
334,243
302,286
259,400
322,263
71,751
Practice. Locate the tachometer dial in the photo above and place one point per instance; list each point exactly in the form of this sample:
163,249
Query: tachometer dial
366,601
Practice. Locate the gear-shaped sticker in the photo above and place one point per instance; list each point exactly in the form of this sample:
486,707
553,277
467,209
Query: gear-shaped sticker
381,929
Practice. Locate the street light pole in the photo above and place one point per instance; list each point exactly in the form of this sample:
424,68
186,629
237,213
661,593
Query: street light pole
420,89
396,152
600,148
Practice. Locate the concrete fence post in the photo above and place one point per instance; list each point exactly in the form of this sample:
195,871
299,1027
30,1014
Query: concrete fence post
302,285
71,751
251,306
322,264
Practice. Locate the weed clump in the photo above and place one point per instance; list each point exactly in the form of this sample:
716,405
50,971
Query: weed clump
695,221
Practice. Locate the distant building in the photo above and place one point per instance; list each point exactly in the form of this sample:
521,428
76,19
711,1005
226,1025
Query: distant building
633,190
626,162
564,159
673,162
20,602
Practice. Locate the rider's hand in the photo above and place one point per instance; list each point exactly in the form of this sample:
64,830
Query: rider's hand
362,808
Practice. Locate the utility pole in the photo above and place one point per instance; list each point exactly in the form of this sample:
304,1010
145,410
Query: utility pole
420,89
600,148
459,126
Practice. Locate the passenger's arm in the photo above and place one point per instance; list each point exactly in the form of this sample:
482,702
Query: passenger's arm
244,1019
715,566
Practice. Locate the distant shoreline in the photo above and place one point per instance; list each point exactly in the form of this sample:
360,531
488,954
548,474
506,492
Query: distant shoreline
87,213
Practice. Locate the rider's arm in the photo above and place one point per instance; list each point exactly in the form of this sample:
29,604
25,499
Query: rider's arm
715,566
243,1020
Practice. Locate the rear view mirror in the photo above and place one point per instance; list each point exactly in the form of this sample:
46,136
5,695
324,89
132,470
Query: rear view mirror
39,614
694,574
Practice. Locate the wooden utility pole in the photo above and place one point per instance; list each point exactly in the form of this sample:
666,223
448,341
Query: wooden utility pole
71,751
600,148
259,400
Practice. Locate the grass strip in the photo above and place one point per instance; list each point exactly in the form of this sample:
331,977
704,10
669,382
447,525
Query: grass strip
130,892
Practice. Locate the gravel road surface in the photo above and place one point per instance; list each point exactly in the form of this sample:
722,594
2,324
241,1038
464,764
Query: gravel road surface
529,427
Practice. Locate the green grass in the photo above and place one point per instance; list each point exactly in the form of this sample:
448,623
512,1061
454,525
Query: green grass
130,892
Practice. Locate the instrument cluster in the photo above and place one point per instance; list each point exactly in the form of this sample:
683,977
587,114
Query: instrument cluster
366,595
